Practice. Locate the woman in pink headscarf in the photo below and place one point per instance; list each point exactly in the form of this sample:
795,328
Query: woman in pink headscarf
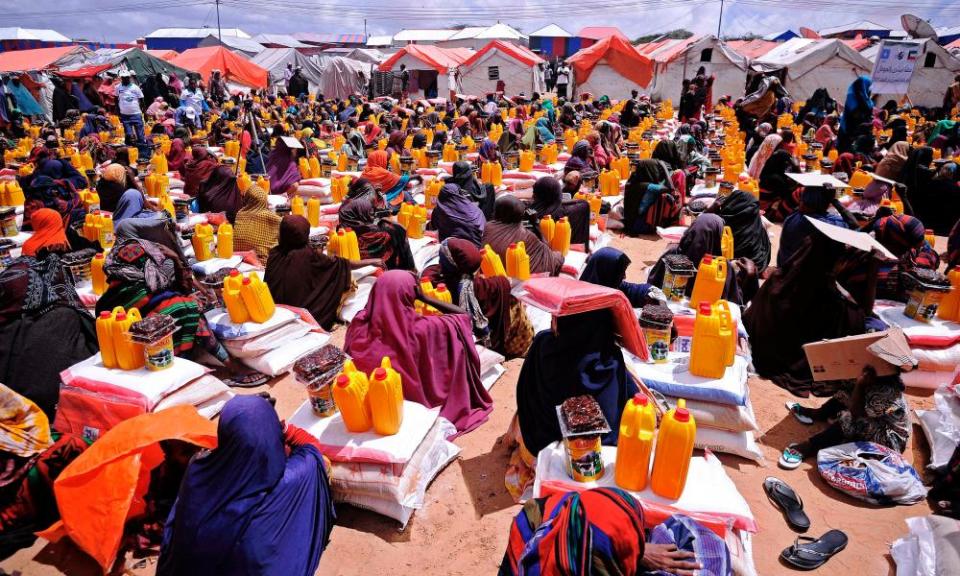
435,355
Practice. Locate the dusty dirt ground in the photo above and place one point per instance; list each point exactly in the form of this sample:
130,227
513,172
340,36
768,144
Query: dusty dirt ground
463,527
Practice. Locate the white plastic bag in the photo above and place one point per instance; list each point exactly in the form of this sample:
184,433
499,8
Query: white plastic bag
870,472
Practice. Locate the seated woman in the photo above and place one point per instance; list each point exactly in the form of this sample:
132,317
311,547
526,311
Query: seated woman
607,525
53,184
815,201
548,201
378,237
483,195
702,238
153,279
804,296
435,355
740,211
40,306
582,160
263,492
903,236
391,186
257,226
455,215
890,168
48,236
499,319
826,134
134,220
580,356
507,227
769,167
282,169
608,267
111,186
197,170
219,192
177,156
650,199
300,275
32,458
873,409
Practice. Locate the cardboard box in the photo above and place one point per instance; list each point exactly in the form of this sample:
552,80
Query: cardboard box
844,358
859,240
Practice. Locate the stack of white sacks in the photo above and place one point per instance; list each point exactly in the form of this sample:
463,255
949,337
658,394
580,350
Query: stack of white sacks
388,475
935,344
941,425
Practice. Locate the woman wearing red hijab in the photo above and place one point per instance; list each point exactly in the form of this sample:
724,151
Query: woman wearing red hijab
390,185
48,234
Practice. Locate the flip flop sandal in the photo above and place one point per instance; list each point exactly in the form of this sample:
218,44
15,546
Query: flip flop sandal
784,498
790,459
814,553
250,379
792,407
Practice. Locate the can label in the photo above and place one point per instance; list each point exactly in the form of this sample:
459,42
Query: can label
923,304
674,286
321,400
584,461
658,343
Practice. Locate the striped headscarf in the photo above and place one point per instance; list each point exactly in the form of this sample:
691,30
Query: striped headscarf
899,234
597,532
24,428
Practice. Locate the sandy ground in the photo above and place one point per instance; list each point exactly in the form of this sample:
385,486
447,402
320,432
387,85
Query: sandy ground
463,527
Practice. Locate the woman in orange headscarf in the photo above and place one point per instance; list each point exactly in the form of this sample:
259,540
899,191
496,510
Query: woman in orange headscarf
392,186
48,234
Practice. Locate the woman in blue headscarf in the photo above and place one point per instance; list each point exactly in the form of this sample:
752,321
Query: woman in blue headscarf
247,507
857,116
608,267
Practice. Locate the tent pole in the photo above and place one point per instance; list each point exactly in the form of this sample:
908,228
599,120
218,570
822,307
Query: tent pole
719,21
220,34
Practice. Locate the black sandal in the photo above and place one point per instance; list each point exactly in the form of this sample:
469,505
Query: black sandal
814,553
250,379
784,497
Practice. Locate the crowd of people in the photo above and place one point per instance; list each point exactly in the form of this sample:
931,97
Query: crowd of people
261,501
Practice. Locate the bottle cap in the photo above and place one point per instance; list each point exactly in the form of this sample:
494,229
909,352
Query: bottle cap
513,246
104,314
121,316
379,374
929,231
640,399
246,281
681,414
441,287
99,256
234,273
707,259
705,308
343,381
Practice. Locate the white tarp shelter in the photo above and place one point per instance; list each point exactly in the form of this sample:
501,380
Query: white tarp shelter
810,64
515,65
343,77
429,67
675,60
934,70
275,60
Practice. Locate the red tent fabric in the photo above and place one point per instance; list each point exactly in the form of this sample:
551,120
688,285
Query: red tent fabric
234,68
167,55
440,59
37,59
619,54
752,48
520,53
85,72
953,45
601,32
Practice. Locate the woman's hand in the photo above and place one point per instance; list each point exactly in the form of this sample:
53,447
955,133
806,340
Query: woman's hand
666,557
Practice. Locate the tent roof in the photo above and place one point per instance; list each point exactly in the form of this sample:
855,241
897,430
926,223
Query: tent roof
423,35
801,55
620,54
84,72
368,55
949,60
500,31
519,53
135,59
667,51
752,48
601,32
167,55
467,33
343,77
330,38
375,41
774,36
44,35
234,67
552,31
858,44
275,60
37,59
861,25
234,43
955,45
440,59
196,33
284,40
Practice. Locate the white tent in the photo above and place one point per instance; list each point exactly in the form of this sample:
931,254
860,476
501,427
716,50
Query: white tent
675,60
429,68
515,65
370,55
934,70
810,64
275,60
344,77
476,38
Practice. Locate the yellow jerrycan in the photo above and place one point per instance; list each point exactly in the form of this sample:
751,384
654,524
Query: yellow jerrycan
232,298
674,449
635,444
108,353
225,240
386,399
726,243
710,340
710,280
350,394
257,298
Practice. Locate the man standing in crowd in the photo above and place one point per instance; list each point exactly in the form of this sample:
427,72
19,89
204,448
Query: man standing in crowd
129,96
192,96
563,79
